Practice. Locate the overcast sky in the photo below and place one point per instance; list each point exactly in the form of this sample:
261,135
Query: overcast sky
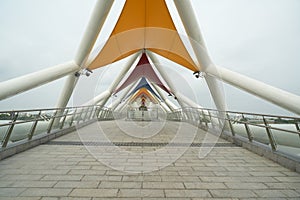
258,38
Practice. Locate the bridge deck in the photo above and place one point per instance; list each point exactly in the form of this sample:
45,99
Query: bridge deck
66,169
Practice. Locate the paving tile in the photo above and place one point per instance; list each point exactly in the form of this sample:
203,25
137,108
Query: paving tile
187,193
69,167
49,171
4,183
247,186
112,198
63,177
238,179
269,173
218,199
14,171
291,193
283,185
165,185
101,178
17,177
201,185
77,184
10,192
230,174
118,185
34,184
66,198
87,172
270,193
180,178
232,193
164,198
141,193
94,193
288,179
47,192
20,198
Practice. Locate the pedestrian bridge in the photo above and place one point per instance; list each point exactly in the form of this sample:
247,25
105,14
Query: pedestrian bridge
141,138
94,153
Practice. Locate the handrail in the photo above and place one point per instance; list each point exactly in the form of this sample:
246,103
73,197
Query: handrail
258,125
238,112
48,109
56,118
211,117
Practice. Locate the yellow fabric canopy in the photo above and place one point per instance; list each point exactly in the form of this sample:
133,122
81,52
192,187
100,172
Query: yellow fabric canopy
146,93
144,24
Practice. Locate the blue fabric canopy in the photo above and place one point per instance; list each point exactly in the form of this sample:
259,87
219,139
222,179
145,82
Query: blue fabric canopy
143,84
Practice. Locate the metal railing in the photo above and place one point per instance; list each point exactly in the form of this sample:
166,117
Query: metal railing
19,125
271,130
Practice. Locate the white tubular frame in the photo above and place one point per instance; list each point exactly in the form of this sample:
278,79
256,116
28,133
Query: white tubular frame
92,31
188,17
99,15
67,91
269,93
24,83
274,95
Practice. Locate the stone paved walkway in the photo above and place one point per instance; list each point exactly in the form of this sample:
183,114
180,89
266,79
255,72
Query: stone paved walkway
68,170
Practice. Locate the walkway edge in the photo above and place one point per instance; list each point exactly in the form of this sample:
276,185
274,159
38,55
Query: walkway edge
264,150
24,145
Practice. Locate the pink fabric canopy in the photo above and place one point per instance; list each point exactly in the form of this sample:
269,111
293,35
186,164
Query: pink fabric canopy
143,69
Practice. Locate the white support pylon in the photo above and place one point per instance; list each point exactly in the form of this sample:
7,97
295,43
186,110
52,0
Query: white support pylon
188,17
24,83
273,95
92,31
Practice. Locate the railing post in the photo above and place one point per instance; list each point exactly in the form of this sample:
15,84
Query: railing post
64,119
220,118
97,112
73,116
90,114
180,115
230,125
79,116
297,127
10,129
102,115
105,114
211,121
52,121
204,117
33,127
250,137
270,135
101,112
86,113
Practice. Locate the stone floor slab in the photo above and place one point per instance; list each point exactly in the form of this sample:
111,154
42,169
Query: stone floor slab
70,172
94,193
